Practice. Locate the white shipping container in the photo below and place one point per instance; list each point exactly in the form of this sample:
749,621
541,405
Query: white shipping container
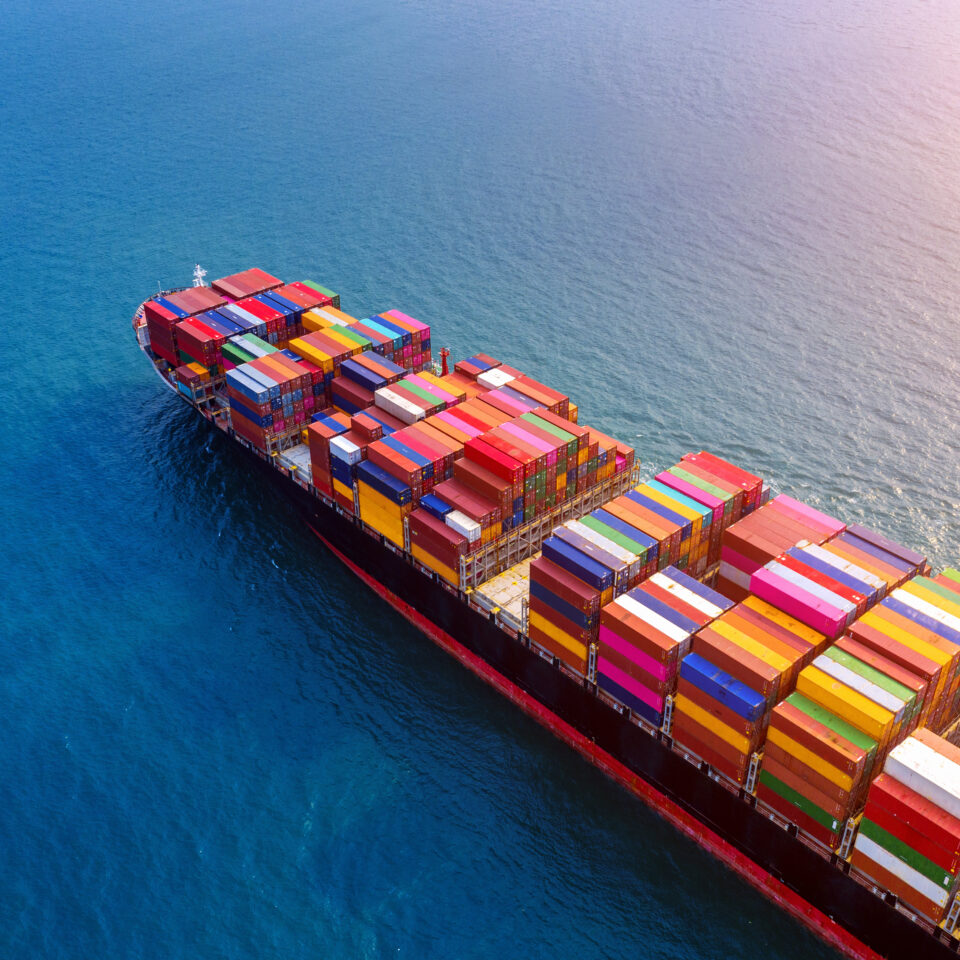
846,566
397,406
648,616
621,553
912,878
821,593
686,595
870,690
734,574
459,521
922,606
926,772
494,378
333,318
346,449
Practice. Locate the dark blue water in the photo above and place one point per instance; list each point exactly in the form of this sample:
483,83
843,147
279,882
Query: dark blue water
730,225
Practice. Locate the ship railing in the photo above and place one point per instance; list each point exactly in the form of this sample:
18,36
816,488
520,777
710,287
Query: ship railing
526,540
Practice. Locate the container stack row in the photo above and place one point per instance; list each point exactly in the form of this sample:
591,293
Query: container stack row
826,591
722,492
645,633
467,461
815,764
908,841
163,314
751,543
739,667
892,672
269,398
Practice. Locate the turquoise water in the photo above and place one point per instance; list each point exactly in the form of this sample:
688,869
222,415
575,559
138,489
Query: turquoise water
725,225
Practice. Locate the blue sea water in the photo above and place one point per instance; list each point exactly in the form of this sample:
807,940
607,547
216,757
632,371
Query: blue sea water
730,225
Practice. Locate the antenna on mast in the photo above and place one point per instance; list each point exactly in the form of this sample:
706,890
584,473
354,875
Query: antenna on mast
198,274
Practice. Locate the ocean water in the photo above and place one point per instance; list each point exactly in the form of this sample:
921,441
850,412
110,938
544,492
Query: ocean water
730,225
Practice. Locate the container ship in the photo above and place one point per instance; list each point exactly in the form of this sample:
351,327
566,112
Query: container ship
781,686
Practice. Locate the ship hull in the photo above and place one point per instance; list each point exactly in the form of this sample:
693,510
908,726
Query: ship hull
799,879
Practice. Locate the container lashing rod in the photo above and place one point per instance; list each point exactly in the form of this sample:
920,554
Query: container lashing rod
592,664
753,773
953,915
667,725
846,841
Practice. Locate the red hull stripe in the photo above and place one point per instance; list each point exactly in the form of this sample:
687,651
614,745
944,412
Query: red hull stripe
755,875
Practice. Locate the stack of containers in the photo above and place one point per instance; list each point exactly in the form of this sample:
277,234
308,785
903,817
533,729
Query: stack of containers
436,539
269,314
360,377
243,349
866,702
305,297
694,548
193,380
488,485
645,633
384,501
476,508
247,283
345,456
741,665
162,314
937,606
420,349
750,484
243,319
661,526
562,616
319,434
266,399
722,498
563,612
763,536
815,766
312,287
326,352
909,838
290,311
472,367
198,342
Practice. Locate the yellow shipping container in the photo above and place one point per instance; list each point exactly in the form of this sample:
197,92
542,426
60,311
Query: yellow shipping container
339,314
937,654
342,488
315,321
350,346
560,636
776,660
387,524
707,720
808,757
922,591
676,507
309,352
458,392
846,703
